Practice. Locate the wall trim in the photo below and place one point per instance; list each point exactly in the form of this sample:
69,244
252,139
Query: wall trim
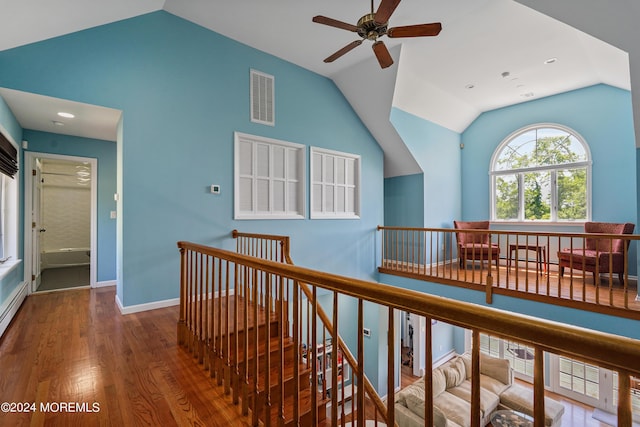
10,308
105,283
130,309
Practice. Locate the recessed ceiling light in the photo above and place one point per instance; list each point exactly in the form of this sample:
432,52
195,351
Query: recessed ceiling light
57,123
469,86
550,61
66,115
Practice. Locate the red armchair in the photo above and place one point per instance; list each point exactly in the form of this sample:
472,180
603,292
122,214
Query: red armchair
598,254
475,246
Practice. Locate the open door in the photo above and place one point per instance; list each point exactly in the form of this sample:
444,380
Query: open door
36,224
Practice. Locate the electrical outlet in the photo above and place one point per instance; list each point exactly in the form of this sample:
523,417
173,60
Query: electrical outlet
366,332
215,189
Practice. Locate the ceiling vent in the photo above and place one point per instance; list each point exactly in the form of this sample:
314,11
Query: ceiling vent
262,98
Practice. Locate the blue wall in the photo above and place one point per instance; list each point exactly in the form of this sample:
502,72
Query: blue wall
105,153
601,114
599,322
183,91
10,282
437,151
404,201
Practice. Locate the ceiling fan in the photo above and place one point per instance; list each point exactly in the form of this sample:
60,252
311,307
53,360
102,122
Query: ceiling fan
375,25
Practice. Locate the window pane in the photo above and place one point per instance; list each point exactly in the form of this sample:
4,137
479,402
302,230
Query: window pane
507,197
572,194
341,166
328,198
317,197
246,158
262,189
340,199
537,196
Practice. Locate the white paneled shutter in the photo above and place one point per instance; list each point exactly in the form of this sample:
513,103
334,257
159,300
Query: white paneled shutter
269,178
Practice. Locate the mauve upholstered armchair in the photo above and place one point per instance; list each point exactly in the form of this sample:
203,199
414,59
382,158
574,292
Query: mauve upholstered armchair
603,255
475,246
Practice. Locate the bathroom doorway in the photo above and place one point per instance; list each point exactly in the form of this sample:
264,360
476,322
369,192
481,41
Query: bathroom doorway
62,216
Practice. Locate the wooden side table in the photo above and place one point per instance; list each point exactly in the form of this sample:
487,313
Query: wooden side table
541,254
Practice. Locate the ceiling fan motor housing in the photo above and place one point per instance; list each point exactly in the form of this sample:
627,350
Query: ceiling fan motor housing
368,29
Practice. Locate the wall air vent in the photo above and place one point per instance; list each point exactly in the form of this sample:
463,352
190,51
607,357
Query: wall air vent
262,98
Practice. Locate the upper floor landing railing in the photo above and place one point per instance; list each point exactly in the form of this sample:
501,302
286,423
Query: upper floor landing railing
589,271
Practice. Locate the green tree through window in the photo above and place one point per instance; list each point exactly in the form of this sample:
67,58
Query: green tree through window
541,174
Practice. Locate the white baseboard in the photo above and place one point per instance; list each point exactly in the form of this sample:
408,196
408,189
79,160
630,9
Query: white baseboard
153,305
10,308
146,306
105,284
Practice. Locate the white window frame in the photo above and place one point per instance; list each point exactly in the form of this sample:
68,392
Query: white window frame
290,177
552,169
325,212
9,218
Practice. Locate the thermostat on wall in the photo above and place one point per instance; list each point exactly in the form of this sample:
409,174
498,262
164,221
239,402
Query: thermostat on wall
215,189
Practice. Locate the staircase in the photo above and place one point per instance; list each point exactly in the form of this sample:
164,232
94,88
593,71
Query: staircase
253,331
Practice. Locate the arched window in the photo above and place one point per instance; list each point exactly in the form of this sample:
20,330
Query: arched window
541,173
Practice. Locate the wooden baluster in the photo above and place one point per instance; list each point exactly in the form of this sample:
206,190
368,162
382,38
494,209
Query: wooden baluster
219,336
213,349
181,316
296,346
391,367
256,345
207,337
267,356
227,341
314,369
625,289
334,361
611,272
360,393
538,388
625,411
428,376
245,350
236,336
201,310
475,379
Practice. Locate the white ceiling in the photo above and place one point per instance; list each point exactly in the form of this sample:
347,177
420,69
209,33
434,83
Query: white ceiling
480,40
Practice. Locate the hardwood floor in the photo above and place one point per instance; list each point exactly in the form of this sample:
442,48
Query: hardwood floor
74,348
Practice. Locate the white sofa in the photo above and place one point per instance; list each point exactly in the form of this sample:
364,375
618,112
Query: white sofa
452,395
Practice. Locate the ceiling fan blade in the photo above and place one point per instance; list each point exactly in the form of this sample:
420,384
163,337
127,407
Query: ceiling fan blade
383,55
334,23
344,50
421,30
385,9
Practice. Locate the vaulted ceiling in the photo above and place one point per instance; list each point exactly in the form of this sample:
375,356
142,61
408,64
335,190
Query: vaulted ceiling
490,53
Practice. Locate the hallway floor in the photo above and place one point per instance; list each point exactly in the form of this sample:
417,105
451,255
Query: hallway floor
53,279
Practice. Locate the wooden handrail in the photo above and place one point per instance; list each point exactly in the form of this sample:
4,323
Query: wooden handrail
603,349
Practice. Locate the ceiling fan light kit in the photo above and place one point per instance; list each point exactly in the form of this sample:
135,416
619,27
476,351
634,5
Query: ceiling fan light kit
372,26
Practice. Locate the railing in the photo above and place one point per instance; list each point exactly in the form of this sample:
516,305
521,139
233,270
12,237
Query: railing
206,329
528,266
276,248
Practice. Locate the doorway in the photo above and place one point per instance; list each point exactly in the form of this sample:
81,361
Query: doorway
60,218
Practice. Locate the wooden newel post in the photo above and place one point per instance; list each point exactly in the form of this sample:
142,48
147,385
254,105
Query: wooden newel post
181,320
